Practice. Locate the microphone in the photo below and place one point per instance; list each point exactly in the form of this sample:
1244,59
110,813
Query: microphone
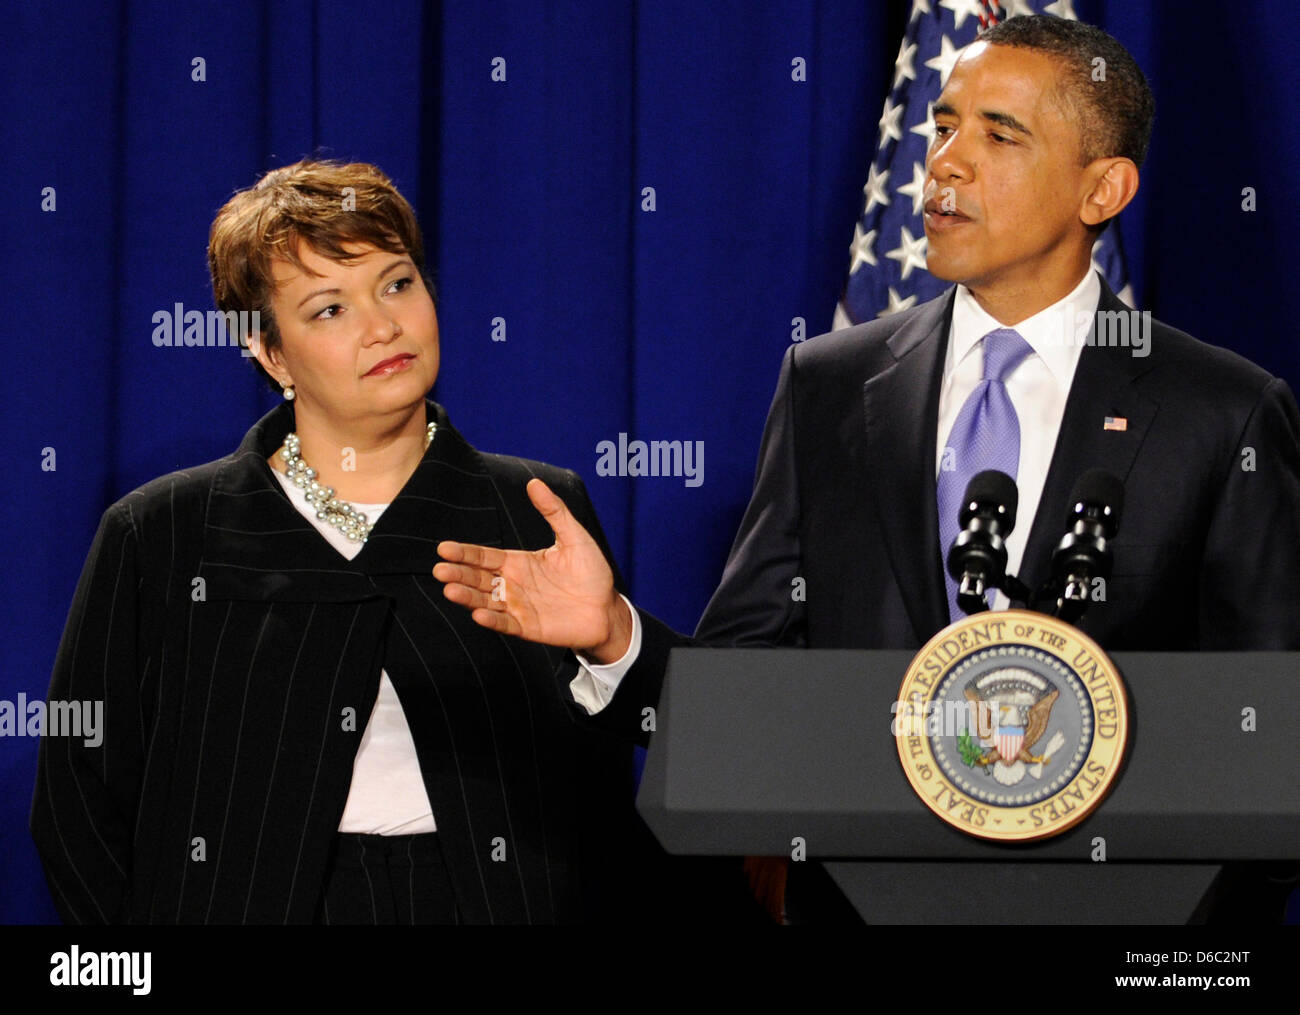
977,560
1084,554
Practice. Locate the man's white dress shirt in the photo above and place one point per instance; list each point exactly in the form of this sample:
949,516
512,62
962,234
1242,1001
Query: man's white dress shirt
1038,388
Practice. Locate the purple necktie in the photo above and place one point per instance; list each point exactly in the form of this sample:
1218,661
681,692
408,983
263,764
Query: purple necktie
986,435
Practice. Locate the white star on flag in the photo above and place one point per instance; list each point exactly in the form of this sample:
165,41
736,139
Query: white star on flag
875,188
943,63
895,304
903,67
916,189
890,129
926,127
962,9
910,253
861,248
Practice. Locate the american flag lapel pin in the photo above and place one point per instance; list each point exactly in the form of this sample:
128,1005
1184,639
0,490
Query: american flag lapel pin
1115,423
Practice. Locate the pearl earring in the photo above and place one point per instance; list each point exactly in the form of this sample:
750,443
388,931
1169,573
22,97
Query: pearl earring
288,392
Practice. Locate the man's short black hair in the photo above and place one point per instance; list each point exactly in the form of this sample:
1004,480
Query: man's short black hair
1111,100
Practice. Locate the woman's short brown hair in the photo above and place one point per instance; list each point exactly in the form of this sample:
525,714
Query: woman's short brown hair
325,203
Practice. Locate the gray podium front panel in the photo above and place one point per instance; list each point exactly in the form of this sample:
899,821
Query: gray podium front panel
755,747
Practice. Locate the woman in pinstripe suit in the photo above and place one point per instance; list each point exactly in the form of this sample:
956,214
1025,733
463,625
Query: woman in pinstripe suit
299,728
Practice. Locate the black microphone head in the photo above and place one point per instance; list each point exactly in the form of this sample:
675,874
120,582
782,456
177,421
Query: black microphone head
1104,492
994,488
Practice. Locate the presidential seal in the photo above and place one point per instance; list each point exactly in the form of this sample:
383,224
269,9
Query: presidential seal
1011,725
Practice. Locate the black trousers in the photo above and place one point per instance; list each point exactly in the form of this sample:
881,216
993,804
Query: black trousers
387,879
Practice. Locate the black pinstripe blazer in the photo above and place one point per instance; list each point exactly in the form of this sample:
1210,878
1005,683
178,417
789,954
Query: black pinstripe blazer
227,639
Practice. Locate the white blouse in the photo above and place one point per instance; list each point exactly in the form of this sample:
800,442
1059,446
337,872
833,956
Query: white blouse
387,795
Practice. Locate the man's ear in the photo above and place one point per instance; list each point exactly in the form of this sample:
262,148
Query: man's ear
1115,181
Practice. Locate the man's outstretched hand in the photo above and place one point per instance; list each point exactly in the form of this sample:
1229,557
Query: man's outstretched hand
563,595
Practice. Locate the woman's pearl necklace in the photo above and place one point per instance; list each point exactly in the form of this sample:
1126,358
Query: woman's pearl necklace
339,513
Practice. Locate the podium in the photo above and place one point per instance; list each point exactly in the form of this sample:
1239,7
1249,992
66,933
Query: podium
756,749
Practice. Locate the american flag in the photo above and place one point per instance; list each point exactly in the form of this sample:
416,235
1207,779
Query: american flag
887,256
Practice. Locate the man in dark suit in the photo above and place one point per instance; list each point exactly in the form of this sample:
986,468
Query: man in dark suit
1032,159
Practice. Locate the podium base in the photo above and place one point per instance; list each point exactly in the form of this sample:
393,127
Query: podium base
1031,893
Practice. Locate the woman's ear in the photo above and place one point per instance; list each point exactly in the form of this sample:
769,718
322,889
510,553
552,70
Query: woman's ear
271,359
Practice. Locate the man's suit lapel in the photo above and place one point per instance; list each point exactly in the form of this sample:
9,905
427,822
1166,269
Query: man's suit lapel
902,414
902,420
256,544
1102,386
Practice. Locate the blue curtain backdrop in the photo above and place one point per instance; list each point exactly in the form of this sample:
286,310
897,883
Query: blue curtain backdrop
667,324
